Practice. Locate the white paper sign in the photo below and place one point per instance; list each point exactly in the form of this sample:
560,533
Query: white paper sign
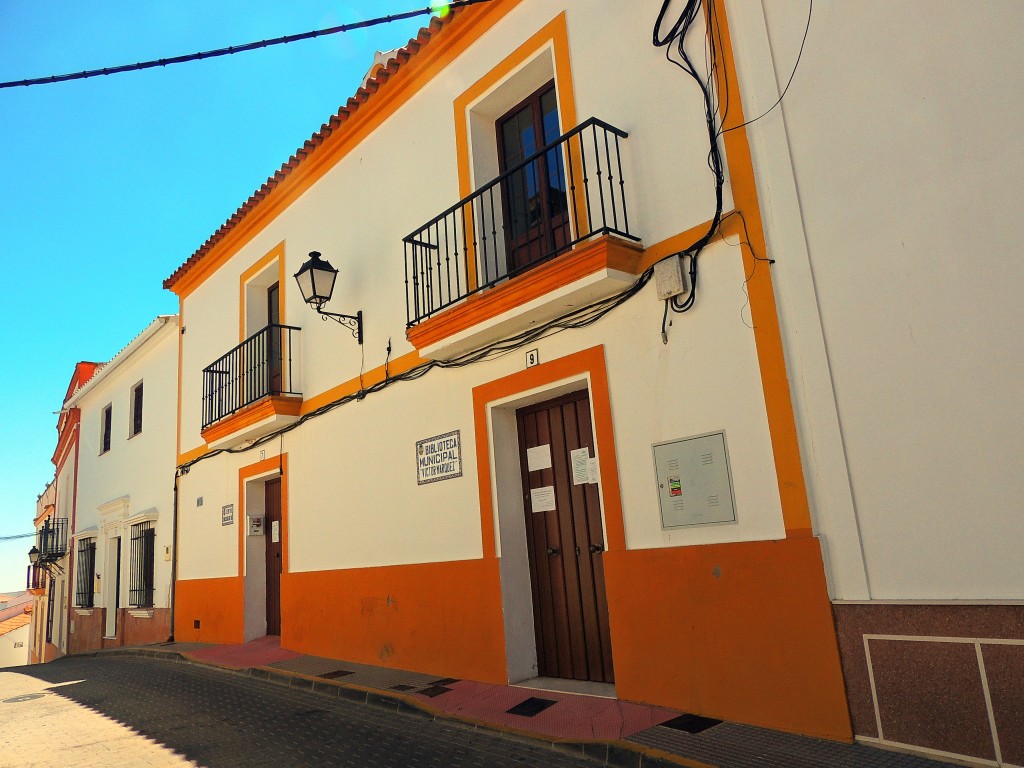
275,531
543,499
593,470
580,460
538,458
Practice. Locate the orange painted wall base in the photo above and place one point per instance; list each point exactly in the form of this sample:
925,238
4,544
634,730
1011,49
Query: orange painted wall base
218,605
436,618
740,631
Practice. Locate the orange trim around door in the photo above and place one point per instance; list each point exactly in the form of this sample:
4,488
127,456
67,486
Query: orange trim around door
275,464
589,363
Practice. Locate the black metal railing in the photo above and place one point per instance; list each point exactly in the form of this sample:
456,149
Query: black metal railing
85,573
563,194
143,556
52,539
264,364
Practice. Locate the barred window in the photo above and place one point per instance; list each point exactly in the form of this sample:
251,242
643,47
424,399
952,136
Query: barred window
85,573
140,584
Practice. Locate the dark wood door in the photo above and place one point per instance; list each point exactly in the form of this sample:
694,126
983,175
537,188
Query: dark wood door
534,201
565,544
274,535
274,363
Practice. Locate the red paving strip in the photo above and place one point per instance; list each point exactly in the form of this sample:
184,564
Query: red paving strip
256,653
573,717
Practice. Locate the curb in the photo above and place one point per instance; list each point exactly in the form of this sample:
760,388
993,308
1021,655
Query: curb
616,753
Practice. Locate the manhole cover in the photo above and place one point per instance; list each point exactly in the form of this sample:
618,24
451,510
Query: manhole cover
23,697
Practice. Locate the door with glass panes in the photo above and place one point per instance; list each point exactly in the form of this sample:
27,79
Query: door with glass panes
533,193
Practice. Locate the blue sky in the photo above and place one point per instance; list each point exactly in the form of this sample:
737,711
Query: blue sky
111,183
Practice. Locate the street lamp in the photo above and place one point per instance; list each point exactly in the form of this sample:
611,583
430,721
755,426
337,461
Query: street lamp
316,282
33,555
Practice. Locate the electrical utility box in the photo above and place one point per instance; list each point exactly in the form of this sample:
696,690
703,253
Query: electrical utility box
669,278
694,481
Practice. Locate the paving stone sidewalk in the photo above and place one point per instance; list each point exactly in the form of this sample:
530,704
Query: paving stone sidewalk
607,731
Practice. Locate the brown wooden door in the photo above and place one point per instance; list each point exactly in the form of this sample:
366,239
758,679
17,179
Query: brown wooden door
274,362
534,202
274,525
565,545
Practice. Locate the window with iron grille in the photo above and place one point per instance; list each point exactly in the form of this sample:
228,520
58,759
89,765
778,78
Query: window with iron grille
136,410
140,584
105,420
85,573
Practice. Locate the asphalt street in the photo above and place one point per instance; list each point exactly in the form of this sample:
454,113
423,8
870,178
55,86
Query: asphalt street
215,718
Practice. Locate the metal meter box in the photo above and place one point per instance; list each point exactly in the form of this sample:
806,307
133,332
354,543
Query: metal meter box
694,481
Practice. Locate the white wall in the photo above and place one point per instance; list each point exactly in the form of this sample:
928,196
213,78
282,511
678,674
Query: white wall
897,286
11,653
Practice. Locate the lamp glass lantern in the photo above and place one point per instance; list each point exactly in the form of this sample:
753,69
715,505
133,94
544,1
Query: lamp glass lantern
316,280
33,555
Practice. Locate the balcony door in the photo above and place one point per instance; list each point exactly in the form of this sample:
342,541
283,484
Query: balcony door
274,366
534,200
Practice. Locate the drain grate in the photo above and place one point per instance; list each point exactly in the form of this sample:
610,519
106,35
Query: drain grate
444,681
336,674
691,723
403,687
23,697
531,707
434,690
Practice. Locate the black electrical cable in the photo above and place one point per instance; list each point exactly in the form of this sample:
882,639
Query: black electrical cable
676,39
578,318
233,49
810,10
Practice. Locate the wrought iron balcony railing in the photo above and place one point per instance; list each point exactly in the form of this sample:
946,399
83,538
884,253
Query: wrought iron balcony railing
563,194
52,539
264,364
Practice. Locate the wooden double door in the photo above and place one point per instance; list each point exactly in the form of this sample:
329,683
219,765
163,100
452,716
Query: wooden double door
565,539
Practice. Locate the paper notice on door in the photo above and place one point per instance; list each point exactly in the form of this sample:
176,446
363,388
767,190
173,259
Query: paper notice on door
538,458
543,499
275,531
580,460
593,470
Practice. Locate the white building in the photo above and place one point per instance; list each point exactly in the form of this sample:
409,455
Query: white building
780,506
120,570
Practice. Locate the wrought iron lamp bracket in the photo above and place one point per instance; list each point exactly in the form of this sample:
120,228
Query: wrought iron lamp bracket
353,322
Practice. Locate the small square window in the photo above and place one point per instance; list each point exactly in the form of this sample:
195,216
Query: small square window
135,425
105,421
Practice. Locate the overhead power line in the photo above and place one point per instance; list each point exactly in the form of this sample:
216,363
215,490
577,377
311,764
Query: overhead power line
442,8
16,536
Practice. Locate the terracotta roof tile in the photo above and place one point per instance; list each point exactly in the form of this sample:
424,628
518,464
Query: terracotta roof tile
16,623
362,94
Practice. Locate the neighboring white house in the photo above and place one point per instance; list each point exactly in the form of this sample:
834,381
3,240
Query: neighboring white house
122,529
15,640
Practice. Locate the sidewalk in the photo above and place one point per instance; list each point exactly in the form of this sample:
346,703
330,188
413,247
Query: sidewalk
614,732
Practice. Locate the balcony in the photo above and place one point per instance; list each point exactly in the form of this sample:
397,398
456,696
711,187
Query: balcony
252,389
52,539
550,234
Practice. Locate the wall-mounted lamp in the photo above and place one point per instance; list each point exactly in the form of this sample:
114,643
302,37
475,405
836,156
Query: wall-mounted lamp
33,555
316,282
